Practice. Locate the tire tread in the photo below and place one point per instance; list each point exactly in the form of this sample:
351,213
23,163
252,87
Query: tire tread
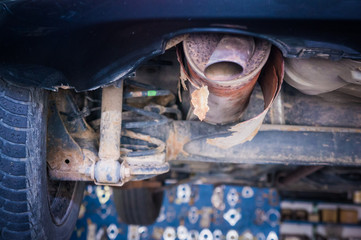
15,104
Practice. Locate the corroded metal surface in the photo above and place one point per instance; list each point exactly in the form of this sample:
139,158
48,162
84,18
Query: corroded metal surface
73,150
229,94
270,81
229,58
198,49
71,143
63,153
297,174
176,141
274,144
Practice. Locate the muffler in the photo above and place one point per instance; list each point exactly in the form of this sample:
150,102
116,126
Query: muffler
222,71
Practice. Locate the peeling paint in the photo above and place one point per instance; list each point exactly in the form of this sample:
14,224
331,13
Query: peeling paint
175,144
230,71
270,82
200,102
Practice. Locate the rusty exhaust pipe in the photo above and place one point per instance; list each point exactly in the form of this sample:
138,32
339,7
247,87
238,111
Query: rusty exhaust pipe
229,58
223,69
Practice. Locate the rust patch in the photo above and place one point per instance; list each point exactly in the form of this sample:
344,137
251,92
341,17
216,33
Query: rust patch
270,82
175,143
61,157
229,58
228,96
200,102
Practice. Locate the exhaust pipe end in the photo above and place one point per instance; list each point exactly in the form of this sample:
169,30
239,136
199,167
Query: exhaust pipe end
223,71
229,58
229,65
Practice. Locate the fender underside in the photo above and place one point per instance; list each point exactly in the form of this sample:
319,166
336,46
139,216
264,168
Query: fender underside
88,44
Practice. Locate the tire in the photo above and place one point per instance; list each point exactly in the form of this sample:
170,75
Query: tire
31,207
137,206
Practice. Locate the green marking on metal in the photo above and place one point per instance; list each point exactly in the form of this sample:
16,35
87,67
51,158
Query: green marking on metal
152,93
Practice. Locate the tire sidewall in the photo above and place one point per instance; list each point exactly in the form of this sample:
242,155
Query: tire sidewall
43,224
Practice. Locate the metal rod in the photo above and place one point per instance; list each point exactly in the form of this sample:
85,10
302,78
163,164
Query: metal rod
298,174
111,123
274,144
149,93
300,128
277,114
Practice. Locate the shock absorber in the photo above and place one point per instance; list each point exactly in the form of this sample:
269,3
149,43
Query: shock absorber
108,168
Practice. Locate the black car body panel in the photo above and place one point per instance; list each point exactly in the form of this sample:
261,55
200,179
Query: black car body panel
87,44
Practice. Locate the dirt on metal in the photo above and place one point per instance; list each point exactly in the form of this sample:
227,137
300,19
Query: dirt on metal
111,123
175,144
60,157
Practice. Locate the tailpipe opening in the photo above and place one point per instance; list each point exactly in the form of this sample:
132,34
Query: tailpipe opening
229,58
222,70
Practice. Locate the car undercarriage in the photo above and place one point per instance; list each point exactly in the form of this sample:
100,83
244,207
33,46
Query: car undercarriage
131,101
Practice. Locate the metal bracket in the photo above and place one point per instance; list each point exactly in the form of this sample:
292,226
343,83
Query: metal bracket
71,143
72,149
